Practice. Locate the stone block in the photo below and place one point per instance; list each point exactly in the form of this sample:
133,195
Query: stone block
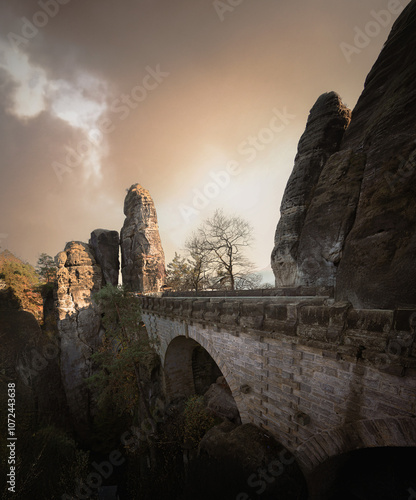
314,315
370,320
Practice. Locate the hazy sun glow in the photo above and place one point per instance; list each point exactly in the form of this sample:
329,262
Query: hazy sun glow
183,95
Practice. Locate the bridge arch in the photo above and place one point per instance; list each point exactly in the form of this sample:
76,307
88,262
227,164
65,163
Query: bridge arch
179,368
319,400
330,460
361,434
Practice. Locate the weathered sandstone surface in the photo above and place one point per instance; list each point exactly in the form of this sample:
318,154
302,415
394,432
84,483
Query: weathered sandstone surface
79,322
325,128
29,359
248,449
220,402
142,257
357,231
106,245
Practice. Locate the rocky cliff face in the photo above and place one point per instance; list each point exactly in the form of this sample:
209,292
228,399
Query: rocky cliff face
29,358
79,323
377,268
358,229
143,260
106,245
325,128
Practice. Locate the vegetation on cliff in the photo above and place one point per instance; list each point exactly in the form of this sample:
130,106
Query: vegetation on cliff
20,280
125,350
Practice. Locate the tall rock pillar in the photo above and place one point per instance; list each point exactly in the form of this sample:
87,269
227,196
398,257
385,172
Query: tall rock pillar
354,227
327,122
142,257
106,246
79,323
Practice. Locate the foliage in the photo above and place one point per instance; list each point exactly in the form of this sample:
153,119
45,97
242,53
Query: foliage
46,268
18,275
196,421
22,280
178,273
124,354
115,380
48,465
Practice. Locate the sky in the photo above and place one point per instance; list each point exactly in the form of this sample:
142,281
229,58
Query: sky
202,102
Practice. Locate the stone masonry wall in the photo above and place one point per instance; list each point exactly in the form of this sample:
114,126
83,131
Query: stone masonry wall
323,379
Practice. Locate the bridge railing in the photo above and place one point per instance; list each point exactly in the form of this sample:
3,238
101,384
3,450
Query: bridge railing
299,291
381,337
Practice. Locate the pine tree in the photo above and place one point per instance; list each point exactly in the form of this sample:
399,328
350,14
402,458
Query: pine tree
178,274
46,268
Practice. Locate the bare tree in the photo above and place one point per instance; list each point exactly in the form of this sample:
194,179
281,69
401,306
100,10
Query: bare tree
220,243
198,263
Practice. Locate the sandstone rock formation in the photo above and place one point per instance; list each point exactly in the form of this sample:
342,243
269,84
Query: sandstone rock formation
250,449
143,260
106,245
29,359
79,322
220,402
325,128
359,229
377,268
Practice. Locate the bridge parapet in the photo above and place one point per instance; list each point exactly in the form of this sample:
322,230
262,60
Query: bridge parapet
296,291
384,339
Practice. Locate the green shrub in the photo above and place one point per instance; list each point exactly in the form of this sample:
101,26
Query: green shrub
196,421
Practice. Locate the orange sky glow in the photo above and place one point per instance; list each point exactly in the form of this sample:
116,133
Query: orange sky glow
201,102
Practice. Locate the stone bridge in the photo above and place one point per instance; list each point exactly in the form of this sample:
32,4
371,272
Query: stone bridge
322,377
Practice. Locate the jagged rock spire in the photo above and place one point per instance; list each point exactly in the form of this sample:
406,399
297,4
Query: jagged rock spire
142,257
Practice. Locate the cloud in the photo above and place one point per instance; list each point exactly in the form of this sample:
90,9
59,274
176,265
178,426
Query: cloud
224,80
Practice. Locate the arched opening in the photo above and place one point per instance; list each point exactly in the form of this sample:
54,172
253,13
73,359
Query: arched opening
189,369
205,370
386,473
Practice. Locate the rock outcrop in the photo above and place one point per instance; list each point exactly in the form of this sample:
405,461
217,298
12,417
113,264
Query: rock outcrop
142,257
29,359
358,232
377,268
327,122
79,323
106,246
220,402
252,451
